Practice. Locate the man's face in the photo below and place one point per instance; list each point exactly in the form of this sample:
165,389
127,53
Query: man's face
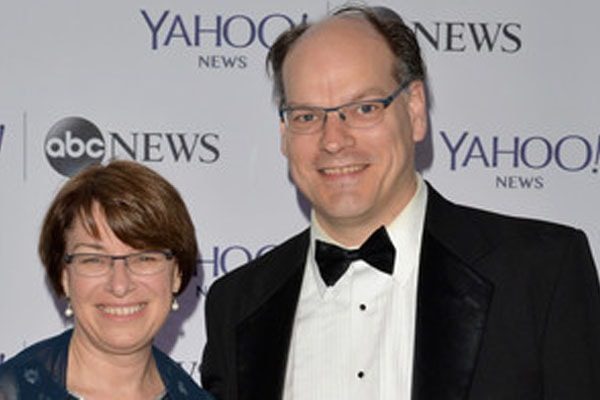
356,178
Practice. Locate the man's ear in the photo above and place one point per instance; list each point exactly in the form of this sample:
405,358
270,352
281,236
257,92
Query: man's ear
417,109
283,139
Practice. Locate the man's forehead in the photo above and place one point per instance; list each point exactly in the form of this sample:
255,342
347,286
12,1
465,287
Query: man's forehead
335,36
339,28
337,49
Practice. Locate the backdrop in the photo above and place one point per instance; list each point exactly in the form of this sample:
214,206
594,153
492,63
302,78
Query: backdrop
180,86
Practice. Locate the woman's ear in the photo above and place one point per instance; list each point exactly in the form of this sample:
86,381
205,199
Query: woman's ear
176,279
65,282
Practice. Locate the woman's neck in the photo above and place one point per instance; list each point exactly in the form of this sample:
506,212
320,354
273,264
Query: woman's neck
96,374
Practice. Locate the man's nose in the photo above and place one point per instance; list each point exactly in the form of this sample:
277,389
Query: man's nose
336,135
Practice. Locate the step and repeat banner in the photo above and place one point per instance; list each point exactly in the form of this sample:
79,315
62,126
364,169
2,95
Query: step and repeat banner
180,86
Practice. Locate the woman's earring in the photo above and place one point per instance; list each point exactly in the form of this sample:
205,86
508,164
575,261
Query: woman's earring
69,310
174,305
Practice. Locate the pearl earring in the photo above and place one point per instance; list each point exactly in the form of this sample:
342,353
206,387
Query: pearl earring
174,305
69,310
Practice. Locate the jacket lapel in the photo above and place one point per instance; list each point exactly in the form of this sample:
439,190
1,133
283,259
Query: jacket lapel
452,304
263,337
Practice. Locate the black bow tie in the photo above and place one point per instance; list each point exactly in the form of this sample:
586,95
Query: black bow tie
333,261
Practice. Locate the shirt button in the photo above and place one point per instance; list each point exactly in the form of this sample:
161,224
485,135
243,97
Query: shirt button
362,307
360,374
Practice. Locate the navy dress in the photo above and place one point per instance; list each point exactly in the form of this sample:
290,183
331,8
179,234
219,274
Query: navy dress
40,372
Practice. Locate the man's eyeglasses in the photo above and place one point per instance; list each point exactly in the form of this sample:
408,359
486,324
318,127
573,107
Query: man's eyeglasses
94,264
357,114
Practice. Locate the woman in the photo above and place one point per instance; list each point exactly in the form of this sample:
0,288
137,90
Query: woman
119,243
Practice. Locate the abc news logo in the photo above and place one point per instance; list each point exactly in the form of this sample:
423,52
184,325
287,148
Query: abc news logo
74,143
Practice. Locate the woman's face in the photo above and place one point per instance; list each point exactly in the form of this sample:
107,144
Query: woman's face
118,312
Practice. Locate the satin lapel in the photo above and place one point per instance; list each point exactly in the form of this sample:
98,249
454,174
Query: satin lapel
263,337
452,306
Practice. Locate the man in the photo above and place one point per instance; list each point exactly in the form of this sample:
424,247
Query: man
444,302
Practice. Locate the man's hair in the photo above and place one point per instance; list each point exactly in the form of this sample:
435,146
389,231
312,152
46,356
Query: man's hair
400,38
142,209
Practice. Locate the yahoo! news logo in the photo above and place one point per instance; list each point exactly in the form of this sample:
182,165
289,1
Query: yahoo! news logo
569,153
468,36
74,142
216,32
223,259
223,37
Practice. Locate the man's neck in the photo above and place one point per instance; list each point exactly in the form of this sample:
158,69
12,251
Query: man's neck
352,232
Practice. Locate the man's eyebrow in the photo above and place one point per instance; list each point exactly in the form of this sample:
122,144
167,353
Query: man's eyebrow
365,94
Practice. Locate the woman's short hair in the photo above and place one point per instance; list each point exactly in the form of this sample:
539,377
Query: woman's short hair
141,207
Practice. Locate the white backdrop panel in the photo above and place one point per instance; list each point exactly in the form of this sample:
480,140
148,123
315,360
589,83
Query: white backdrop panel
180,86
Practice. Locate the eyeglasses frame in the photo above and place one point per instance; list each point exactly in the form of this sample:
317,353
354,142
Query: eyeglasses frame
385,101
68,259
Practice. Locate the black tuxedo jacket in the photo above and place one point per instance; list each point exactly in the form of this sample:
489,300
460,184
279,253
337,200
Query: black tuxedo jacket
507,308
